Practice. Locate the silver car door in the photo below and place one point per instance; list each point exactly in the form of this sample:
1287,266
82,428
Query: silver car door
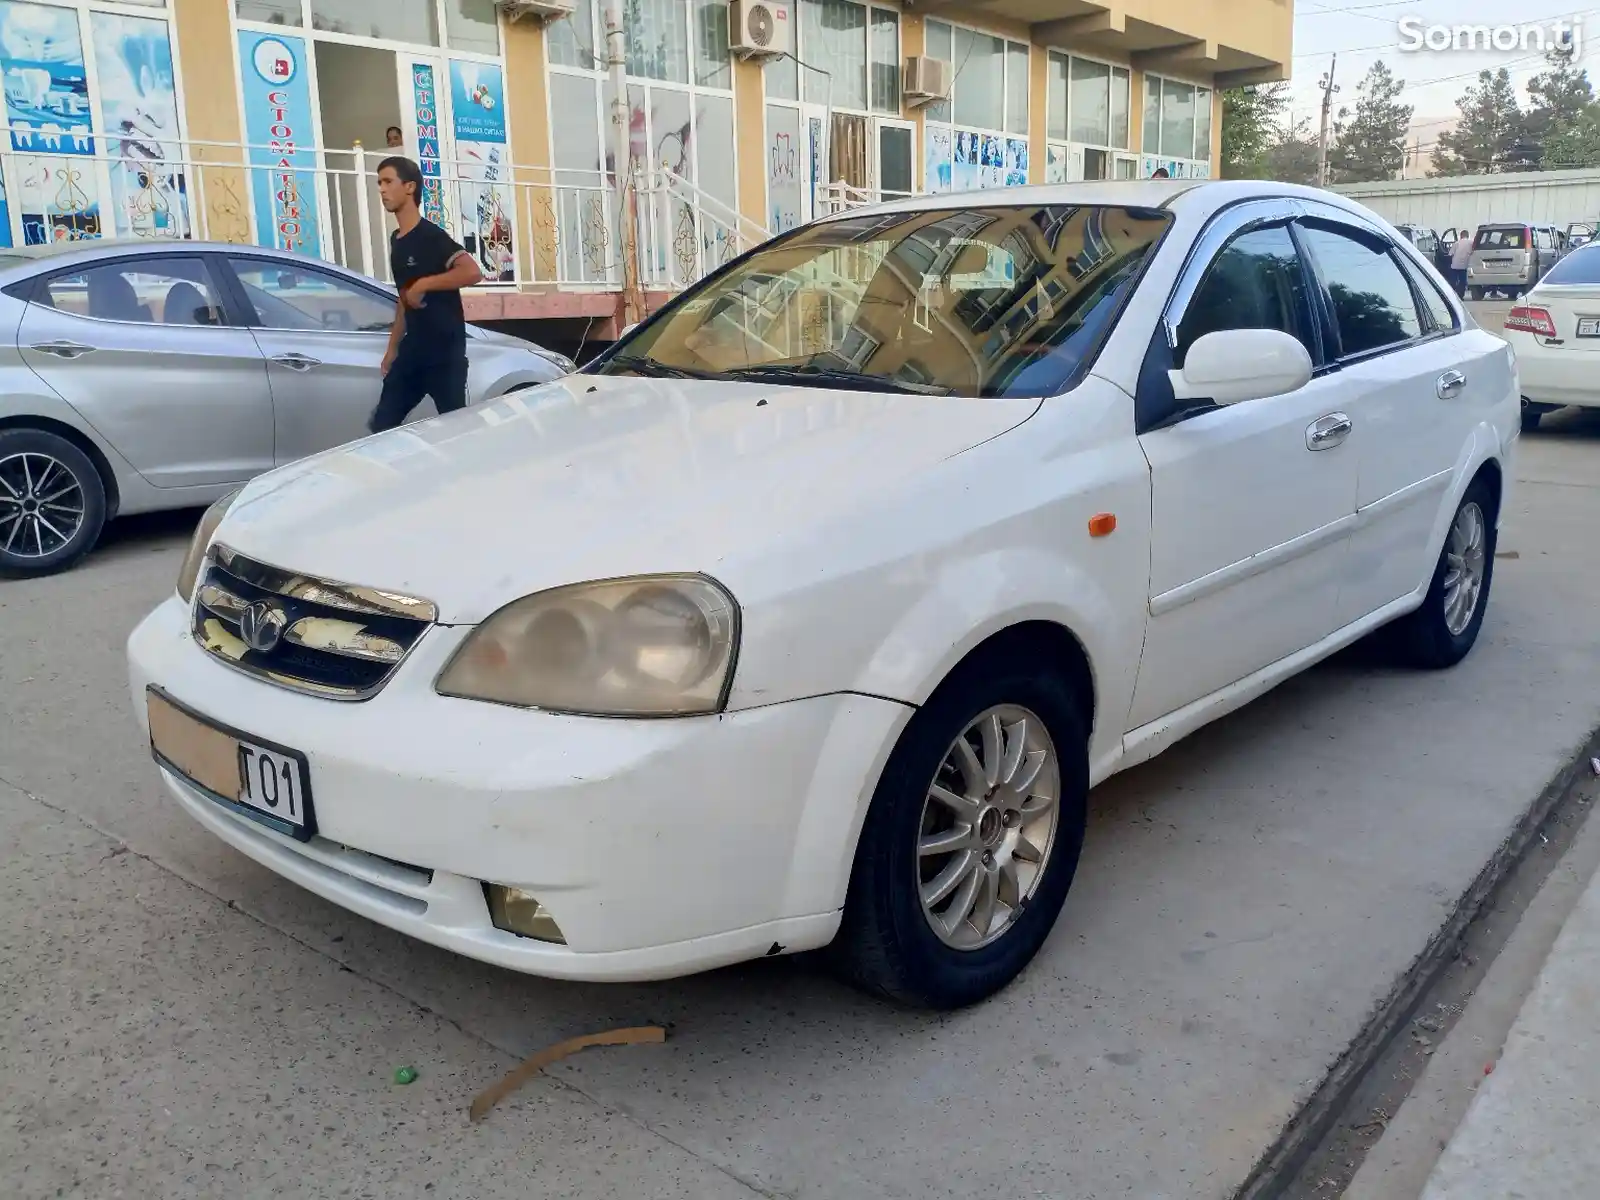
141,347
323,337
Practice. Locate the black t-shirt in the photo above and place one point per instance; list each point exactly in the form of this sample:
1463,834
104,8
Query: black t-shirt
438,329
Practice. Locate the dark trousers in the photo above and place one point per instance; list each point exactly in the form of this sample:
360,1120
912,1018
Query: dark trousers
409,380
1458,280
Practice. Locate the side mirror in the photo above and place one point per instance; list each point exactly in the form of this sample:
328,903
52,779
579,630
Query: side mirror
1235,365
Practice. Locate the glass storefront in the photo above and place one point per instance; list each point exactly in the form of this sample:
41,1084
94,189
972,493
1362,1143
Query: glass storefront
979,137
1177,129
1088,121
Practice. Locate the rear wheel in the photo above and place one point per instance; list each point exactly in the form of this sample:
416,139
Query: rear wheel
52,503
1441,632
972,838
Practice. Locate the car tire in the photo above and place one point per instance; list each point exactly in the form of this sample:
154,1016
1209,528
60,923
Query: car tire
1531,415
1436,636
887,943
52,503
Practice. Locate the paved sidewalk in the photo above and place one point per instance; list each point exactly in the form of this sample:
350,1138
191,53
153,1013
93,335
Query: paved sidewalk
1531,1131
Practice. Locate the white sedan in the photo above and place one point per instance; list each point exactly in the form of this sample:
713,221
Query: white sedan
809,615
1555,332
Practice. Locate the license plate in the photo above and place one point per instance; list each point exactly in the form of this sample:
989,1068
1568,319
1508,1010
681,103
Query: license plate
1497,262
258,779
1589,326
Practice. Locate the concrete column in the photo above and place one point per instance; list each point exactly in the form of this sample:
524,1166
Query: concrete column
208,57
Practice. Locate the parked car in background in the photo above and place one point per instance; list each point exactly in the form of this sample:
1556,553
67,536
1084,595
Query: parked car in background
1429,245
1555,333
1512,258
808,614
139,376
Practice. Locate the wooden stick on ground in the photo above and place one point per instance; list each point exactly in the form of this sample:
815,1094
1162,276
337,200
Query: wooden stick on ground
489,1097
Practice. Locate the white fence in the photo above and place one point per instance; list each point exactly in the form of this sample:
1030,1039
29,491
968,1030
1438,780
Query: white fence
1559,198
526,225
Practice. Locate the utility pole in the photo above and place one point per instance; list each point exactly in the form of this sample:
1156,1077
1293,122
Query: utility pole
1328,89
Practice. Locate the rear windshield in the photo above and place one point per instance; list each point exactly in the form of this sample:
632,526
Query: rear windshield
1502,239
1581,266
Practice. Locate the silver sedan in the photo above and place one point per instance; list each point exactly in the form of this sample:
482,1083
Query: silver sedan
139,377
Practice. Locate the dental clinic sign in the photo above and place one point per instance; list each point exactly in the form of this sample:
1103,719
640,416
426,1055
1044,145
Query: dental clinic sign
282,138
1417,35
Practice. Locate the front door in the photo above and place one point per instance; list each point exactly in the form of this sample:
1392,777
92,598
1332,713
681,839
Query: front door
146,351
892,176
1250,514
323,337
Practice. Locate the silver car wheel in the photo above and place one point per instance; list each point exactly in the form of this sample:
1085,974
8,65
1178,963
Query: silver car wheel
1465,558
988,827
42,505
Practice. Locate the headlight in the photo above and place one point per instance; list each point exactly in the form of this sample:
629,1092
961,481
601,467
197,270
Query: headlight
560,361
189,573
651,647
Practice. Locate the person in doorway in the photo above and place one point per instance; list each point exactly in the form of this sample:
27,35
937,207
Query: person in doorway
1460,256
427,353
1161,173
394,137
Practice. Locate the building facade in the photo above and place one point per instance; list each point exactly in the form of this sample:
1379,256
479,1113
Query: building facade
260,120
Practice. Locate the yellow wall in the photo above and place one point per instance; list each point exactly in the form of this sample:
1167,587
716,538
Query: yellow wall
207,59
526,69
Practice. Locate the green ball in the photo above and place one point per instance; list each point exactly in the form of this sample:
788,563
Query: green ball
405,1075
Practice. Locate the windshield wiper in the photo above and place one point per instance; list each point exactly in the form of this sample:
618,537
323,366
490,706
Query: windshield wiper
640,365
826,377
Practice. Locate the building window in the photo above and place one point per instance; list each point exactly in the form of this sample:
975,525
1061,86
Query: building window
472,26
1087,120
979,138
1177,120
849,58
413,21
884,63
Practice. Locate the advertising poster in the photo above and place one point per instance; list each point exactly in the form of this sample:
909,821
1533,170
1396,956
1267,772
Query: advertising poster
937,161
139,114
47,87
58,196
282,137
1055,164
425,105
5,218
478,116
992,173
1016,165
783,168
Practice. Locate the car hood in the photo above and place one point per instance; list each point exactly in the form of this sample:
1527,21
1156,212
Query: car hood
594,477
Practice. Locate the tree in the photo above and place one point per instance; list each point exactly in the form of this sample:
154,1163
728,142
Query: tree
1293,157
1560,99
1489,138
1370,141
1577,145
1250,128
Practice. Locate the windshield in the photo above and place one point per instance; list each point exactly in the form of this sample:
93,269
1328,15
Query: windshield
1006,301
1502,239
1581,266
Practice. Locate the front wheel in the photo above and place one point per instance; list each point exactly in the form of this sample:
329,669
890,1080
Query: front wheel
971,841
1444,629
52,503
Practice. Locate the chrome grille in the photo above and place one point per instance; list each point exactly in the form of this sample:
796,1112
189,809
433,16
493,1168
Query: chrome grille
334,640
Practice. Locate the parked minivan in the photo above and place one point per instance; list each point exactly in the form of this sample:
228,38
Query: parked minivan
1511,258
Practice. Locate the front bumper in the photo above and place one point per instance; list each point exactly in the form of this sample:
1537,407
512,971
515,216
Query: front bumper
659,847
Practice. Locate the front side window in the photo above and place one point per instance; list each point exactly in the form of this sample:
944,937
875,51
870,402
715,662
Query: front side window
146,291
1372,302
989,302
291,297
1256,282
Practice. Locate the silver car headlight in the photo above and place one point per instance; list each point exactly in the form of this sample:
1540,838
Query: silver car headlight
560,361
189,573
649,647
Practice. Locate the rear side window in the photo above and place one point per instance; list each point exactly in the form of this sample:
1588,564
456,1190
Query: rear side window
146,291
1581,266
1502,238
1444,318
1373,307
1256,282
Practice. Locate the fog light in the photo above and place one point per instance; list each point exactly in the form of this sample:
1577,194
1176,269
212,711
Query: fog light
517,912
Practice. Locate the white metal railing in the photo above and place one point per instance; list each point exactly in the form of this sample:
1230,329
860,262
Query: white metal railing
685,232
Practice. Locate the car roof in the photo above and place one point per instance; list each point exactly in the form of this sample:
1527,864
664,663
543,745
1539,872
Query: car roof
24,261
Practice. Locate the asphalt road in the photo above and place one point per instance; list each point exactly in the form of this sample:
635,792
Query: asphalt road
175,1021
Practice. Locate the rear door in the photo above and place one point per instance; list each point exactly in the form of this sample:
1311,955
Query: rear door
323,336
1413,385
147,351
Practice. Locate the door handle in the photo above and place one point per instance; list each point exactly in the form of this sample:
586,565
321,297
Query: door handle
63,349
296,362
1450,384
1327,432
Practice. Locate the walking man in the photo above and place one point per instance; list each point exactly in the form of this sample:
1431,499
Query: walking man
1460,256
427,354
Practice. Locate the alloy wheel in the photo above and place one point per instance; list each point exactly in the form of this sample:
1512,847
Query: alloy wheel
988,827
1466,555
42,505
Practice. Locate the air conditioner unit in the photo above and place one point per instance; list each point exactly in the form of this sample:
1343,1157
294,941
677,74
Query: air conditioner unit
759,29
543,10
926,80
